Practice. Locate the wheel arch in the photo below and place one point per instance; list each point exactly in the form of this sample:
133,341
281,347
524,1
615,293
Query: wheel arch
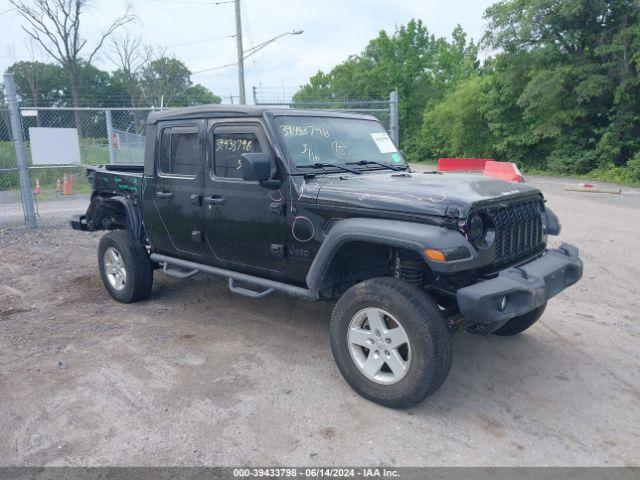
114,213
353,234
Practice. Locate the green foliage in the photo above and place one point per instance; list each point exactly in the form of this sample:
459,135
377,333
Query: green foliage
561,91
457,126
168,80
198,95
45,84
633,169
39,83
422,67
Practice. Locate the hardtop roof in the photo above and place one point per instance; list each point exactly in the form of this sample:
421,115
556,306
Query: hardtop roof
216,111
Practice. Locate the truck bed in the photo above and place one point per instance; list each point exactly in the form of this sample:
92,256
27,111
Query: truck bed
117,179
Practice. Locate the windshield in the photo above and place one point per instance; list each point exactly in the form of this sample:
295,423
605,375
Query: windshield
314,140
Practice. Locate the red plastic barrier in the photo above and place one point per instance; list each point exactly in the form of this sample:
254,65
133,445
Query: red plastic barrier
461,164
503,170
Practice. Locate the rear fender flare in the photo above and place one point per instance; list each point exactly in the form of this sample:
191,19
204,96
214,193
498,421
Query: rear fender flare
131,211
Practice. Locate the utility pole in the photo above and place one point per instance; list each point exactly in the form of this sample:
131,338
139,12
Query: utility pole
243,99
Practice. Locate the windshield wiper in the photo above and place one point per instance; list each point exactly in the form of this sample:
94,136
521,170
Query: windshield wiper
329,165
373,162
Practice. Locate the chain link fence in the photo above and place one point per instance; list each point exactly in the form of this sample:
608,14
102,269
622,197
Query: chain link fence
59,142
10,198
58,145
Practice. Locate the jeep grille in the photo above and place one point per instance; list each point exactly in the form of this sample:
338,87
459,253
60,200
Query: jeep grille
518,230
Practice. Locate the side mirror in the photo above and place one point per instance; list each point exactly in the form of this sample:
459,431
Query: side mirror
257,166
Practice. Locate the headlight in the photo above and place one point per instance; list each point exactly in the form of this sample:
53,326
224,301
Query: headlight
480,230
475,228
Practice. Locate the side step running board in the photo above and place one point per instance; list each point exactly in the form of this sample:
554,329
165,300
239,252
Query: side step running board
193,267
249,293
177,273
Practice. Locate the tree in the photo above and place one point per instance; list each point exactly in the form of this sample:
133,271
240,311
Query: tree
130,56
55,25
163,80
562,91
457,126
422,67
197,95
39,84
580,98
167,81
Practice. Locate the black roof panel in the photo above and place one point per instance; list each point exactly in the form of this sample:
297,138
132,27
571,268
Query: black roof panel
213,111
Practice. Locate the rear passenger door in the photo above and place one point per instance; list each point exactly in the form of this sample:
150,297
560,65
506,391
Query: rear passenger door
178,186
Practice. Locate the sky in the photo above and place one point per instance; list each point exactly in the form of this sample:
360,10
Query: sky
333,30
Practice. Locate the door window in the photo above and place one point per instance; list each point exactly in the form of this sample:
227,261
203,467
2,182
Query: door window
228,149
180,151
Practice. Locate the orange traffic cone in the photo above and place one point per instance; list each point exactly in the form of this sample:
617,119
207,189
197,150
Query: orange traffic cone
38,188
66,186
58,185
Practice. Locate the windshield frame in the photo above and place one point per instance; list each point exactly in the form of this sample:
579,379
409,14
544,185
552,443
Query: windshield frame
295,169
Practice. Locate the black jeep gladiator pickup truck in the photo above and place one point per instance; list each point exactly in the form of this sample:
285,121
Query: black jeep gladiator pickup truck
322,205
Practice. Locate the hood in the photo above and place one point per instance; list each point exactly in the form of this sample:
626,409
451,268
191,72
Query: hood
419,193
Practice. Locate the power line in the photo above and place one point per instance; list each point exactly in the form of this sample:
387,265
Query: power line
190,2
214,68
199,41
251,44
249,52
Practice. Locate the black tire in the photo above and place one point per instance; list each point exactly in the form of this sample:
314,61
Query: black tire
425,329
519,324
139,271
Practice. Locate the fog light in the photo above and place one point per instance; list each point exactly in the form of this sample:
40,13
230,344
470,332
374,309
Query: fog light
502,304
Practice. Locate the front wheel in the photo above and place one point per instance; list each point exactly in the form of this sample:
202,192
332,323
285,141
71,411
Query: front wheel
390,342
125,267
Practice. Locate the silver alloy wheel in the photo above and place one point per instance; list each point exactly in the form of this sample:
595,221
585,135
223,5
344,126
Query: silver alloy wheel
114,268
379,346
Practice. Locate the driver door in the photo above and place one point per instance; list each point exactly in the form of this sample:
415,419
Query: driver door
244,224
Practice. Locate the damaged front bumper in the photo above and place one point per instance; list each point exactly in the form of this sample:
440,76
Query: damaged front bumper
519,290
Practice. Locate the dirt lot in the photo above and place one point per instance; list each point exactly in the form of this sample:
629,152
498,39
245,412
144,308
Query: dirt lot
198,376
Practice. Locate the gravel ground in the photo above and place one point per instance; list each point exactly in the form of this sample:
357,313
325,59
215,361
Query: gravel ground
55,211
198,376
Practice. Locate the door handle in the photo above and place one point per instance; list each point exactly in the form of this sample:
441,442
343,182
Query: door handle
215,200
164,194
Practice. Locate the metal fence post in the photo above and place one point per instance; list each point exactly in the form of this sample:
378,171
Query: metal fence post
112,153
394,126
18,145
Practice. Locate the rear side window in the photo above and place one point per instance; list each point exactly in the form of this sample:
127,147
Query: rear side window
228,148
180,152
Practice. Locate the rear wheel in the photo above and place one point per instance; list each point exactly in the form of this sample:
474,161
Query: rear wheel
390,342
125,267
519,324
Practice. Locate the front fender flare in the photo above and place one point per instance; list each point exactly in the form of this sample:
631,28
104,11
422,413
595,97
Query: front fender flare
408,235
